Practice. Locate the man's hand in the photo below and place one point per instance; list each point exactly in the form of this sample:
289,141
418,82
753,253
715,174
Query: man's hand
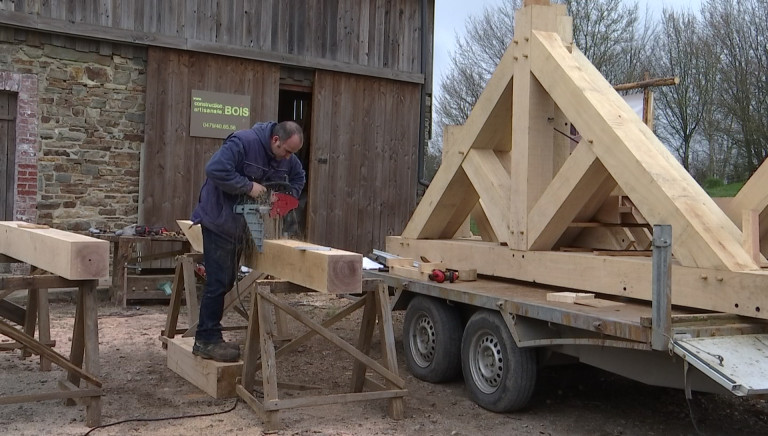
257,190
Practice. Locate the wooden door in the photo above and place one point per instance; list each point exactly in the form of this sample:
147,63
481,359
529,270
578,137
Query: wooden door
7,154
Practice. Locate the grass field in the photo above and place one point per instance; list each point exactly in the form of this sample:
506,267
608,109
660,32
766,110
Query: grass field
728,190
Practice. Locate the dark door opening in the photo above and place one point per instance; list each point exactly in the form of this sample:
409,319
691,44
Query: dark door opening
295,105
7,154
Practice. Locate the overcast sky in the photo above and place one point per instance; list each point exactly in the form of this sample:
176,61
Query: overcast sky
450,16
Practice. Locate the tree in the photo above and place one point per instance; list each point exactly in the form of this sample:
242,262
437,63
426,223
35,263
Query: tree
739,31
476,56
682,108
612,36
609,33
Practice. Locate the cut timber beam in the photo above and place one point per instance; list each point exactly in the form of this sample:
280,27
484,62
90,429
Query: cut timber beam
660,187
327,270
69,255
741,293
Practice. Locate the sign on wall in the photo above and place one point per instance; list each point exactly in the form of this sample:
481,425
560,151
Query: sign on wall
216,115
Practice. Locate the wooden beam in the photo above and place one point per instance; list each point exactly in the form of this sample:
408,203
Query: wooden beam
66,254
533,115
490,179
664,81
658,185
450,194
751,234
483,224
445,205
740,293
324,270
580,178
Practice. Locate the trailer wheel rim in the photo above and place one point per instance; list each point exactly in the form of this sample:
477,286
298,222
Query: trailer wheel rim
423,340
486,362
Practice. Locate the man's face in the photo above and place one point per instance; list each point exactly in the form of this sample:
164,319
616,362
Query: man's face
284,149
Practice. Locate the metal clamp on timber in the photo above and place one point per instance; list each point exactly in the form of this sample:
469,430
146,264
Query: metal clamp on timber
273,205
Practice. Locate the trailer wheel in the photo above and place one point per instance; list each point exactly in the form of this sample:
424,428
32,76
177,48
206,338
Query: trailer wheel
499,376
432,340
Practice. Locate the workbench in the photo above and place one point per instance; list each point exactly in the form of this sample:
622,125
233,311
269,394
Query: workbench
141,263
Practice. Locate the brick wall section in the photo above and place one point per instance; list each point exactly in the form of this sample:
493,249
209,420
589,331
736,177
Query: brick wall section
90,129
27,143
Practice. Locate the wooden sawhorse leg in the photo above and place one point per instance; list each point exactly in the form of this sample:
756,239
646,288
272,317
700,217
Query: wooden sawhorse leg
85,349
183,280
37,313
260,347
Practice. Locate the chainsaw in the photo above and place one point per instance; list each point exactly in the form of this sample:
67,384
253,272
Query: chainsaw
273,205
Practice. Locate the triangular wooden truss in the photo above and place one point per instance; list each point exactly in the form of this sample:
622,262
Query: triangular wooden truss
533,193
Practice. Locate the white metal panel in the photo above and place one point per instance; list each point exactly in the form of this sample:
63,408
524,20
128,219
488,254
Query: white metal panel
740,363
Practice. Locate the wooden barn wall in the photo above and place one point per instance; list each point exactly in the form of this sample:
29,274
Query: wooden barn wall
382,34
363,160
173,163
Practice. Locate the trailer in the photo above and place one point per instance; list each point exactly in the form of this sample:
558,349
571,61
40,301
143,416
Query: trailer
603,250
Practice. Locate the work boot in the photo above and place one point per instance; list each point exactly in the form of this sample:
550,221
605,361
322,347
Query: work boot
233,345
218,351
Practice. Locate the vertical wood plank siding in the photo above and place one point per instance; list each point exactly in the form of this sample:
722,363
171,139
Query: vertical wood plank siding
375,33
173,163
363,158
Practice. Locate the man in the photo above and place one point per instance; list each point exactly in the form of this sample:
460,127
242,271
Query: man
246,161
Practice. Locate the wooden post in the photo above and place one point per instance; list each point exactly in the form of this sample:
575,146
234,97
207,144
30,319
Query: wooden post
44,325
190,289
87,290
174,306
365,338
750,230
396,406
268,362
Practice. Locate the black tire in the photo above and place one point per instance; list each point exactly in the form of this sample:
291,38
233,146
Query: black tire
432,340
499,376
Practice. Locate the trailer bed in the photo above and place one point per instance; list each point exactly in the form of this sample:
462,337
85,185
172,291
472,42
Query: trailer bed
730,349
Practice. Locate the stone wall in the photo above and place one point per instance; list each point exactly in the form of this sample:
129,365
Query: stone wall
90,127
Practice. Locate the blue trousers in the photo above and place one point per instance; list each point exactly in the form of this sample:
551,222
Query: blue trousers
221,257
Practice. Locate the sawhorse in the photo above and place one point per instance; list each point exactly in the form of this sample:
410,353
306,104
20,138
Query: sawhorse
260,348
83,361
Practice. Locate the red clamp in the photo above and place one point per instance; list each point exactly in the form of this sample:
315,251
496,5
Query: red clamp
440,276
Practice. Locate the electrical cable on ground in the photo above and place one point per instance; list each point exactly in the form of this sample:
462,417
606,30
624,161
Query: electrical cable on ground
170,418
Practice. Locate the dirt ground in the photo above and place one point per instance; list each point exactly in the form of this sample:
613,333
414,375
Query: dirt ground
569,400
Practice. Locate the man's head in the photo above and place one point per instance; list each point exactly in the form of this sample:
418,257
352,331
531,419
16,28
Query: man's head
287,139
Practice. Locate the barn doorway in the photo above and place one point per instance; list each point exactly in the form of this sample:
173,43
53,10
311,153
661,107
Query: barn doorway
7,154
295,104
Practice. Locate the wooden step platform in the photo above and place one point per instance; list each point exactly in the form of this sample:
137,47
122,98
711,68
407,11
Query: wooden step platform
217,379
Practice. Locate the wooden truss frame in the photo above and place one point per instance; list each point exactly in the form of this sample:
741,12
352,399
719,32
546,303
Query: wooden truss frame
533,192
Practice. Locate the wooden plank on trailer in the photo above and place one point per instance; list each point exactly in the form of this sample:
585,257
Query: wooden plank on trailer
69,255
658,185
741,293
569,297
333,271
